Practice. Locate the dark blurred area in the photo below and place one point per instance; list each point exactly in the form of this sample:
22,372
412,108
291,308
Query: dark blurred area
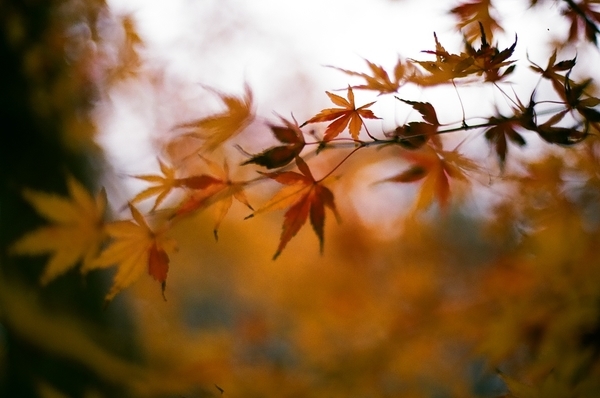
44,94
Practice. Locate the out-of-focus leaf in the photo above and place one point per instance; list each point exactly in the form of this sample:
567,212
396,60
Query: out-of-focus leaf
75,234
379,80
279,156
214,130
474,13
216,189
135,248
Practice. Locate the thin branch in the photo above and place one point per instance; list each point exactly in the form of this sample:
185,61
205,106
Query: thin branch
342,162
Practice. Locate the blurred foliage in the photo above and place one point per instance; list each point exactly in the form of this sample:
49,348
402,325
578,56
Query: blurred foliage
488,285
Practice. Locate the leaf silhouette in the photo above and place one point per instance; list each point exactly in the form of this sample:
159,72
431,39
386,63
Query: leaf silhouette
487,60
304,198
497,136
585,106
135,248
347,114
216,129
279,156
551,72
415,134
75,234
584,20
425,109
217,189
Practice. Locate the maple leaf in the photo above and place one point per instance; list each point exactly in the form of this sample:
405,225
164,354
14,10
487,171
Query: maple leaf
488,59
583,18
163,185
445,68
415,134
305,198
434,167
216,129
550,132
135,248
279,156
216,189
167,182
348,113
503,128
75,234
551,72
560,135
379,80
585,106
478,11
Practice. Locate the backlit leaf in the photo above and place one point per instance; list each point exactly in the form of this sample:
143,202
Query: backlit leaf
305,197
75,234
347,114
215,129
207,190
135,248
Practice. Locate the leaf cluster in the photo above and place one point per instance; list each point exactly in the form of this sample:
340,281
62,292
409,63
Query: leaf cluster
135,245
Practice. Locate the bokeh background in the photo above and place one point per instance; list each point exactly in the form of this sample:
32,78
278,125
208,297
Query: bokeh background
502,290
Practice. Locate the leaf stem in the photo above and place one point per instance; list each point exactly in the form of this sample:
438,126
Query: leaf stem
342,162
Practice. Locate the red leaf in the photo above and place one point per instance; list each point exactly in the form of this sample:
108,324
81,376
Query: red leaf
303,196
158,265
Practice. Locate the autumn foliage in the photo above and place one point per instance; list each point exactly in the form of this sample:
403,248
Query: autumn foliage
518,306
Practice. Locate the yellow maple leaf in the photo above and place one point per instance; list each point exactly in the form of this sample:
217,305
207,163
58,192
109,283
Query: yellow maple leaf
134,249
216,129
163,185
75,234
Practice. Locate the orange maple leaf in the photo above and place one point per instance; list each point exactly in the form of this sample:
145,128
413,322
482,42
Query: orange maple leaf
472,14
216,188
445,68
135,248
379,80
305,197
434,167
487,60
348,113
216,129
167,182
